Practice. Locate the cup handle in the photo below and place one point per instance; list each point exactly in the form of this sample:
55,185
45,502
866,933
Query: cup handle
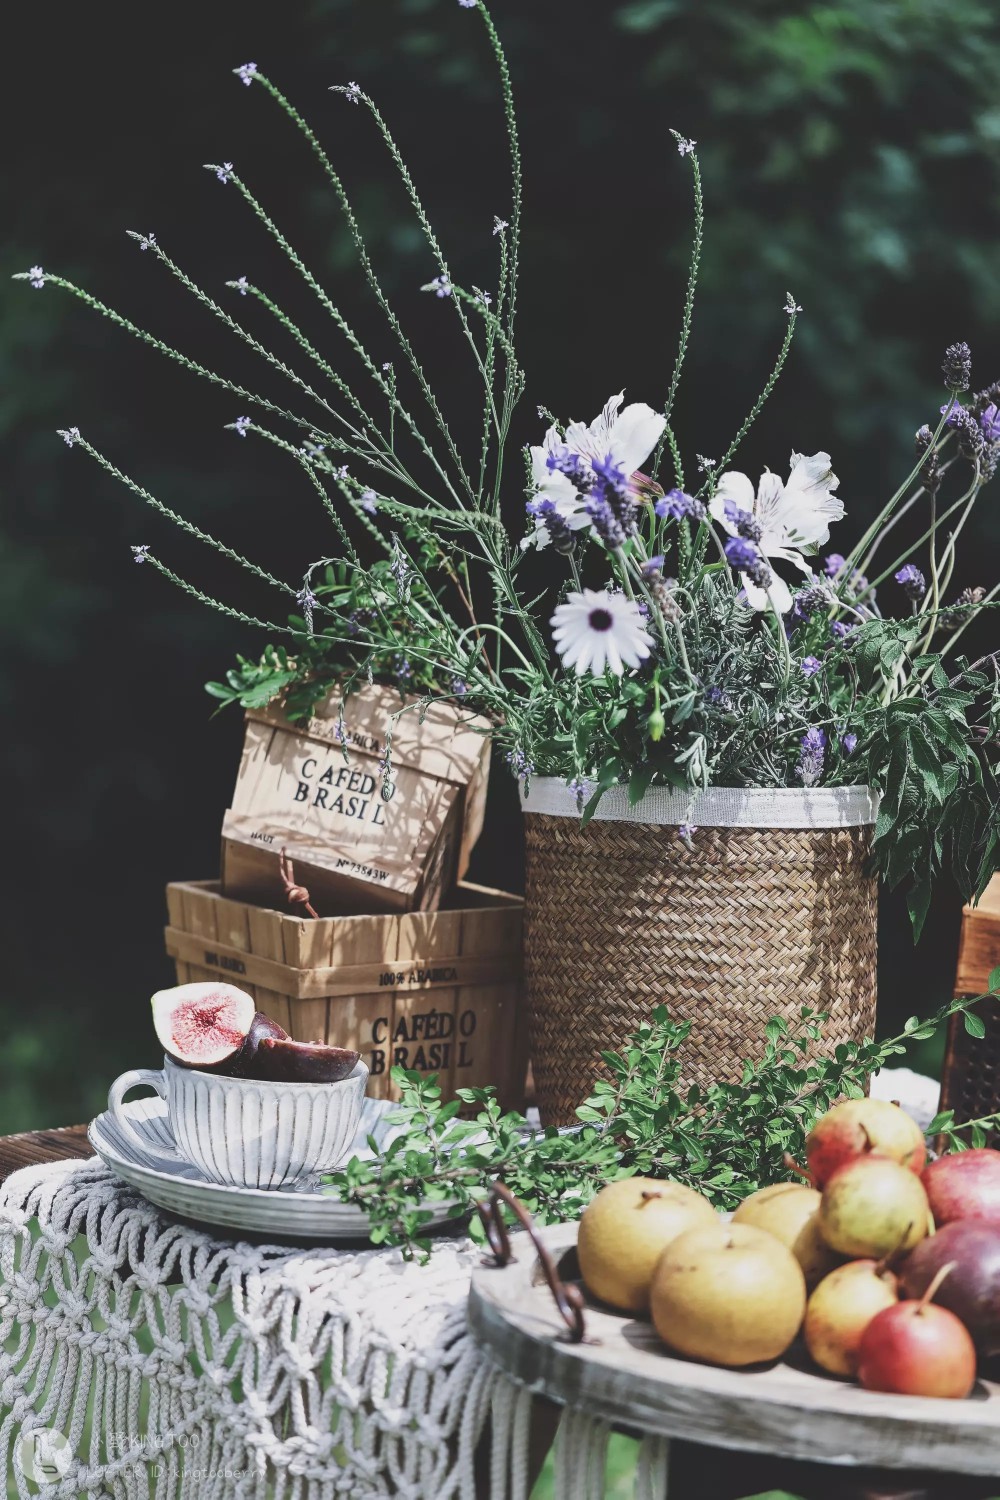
153,1078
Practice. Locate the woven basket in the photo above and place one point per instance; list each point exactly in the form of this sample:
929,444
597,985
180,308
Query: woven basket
772,908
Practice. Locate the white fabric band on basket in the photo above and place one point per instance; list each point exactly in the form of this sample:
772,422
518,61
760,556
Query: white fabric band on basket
719,807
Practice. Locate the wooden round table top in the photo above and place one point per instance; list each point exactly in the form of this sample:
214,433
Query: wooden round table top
623,1374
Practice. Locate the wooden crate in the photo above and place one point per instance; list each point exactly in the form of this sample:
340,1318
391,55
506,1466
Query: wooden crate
970,1084
315,790
436,991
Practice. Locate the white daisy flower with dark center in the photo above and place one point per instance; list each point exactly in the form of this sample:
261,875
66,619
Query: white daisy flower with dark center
595,631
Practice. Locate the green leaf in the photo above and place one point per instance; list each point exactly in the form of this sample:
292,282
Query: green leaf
993,983
974,1025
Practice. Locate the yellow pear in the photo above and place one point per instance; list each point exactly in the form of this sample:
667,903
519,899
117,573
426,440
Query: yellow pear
790,1211
840,1310
625,1230
730,1294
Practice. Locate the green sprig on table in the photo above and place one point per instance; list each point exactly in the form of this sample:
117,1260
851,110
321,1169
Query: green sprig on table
726,1140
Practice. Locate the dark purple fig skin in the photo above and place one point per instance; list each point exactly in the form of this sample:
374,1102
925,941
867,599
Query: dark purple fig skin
972,1289
283,1060
244,1064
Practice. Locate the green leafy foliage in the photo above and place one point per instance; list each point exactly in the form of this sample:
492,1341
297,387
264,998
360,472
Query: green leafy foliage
726,1140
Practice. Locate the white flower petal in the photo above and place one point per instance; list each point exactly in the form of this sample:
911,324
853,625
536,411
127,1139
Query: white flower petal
732,486
757,597
635,434
809,505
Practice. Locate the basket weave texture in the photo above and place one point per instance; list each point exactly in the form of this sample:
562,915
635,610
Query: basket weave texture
748,924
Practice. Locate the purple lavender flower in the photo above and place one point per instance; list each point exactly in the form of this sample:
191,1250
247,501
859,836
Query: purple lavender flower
70,435
684,147
841,629
680,506
849,743
307,602
810,665
810,601
912,582
520,764
352,93
956,414
563,460
459,687
833,564
140,554
224,172
812,752
605,521
245,73
440,286
686,832
580,786
745,558
957,367
989,421
746,526
560,532
368,500
240,426
653,566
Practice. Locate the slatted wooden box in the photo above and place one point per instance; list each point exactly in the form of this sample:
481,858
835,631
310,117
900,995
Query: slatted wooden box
970,1084
436,991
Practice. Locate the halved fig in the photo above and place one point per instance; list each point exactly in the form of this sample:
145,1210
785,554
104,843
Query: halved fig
284,1061
203,1025
244,1064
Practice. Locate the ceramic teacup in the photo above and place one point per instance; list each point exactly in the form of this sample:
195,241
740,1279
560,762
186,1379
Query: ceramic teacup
248,1132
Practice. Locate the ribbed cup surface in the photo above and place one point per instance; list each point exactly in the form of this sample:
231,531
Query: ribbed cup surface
255,1133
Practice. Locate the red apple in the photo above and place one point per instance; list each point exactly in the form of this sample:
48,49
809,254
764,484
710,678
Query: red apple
918,1349
964,1185
972,1289
859,1126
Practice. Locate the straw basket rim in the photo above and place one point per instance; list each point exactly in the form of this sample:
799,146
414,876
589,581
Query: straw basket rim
717,807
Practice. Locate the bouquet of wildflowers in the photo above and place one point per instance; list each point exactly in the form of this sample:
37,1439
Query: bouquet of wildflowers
696,630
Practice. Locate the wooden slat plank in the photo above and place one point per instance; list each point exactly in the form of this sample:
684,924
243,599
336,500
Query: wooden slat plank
34,1147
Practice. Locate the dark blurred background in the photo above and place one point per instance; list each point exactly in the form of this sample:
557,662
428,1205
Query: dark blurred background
851,152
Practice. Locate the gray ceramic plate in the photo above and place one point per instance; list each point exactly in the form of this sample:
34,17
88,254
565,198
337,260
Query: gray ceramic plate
298,1212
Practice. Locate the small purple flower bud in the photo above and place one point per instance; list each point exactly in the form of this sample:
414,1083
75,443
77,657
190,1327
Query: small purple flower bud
812,753
440,286
499,225
833,564
368,500
36,277
989,421
140,554
241,285
912,582
841,629
810,665
70,435
245,73
240,426
957,367
352,93
849,743
956,413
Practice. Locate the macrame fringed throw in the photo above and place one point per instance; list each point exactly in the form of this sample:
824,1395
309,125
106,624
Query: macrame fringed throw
180,1367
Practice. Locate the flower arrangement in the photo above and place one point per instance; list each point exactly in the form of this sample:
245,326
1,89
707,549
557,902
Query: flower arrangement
698,634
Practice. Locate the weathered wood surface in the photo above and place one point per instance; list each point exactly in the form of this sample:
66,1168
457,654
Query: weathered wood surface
36,1146
623,1374
979,945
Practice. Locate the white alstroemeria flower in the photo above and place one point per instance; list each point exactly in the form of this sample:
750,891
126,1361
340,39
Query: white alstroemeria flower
626,437
596,630
793,517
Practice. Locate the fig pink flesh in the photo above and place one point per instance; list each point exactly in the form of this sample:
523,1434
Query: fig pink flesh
206,1027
